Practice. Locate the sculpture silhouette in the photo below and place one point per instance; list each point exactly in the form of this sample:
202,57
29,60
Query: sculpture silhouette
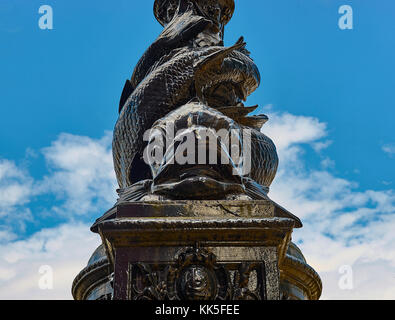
188,79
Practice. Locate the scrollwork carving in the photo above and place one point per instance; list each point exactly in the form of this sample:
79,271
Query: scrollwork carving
196,275
145,284
242,279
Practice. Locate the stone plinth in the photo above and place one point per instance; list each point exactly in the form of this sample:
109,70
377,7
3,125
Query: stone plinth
233,247
224,250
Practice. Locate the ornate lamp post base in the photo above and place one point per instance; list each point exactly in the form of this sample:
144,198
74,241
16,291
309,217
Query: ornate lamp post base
194,250
199,250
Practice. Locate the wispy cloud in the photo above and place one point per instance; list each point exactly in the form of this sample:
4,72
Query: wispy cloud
81,174
322,145
389,149
15,185
290,130
16,190
66,249
80,178
343,225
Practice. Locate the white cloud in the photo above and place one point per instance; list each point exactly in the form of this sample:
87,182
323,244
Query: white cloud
15,186
66,249
82,174
327,163
287,129
343,225
389,148
16,189
320,146
7,236
81,179
371,281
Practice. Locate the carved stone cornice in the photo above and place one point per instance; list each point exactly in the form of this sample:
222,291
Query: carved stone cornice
211,232
198,209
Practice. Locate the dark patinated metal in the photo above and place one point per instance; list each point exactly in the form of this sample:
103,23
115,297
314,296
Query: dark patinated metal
177,69
203,228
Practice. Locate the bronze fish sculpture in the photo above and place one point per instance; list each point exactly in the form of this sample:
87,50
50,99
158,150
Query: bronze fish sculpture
223,174
167,87
178,34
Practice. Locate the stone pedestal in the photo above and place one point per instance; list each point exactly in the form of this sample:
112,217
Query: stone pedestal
191,250
195,250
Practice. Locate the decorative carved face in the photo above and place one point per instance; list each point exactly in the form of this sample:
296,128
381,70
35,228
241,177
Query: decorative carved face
197,284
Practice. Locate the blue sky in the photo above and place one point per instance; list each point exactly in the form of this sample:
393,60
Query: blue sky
329,93
69,79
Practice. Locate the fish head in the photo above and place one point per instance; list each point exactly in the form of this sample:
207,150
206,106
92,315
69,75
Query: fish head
225,75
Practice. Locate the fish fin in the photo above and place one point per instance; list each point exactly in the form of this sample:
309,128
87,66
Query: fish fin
255,122
127,91
218,56
237,111
240,115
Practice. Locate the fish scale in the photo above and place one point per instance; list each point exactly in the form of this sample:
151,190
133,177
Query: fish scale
163,90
